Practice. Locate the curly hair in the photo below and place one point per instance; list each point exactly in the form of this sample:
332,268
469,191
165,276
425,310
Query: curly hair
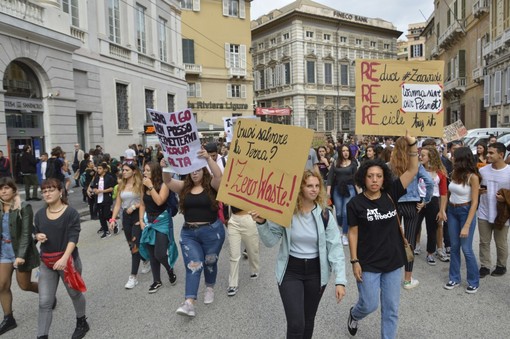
206,185
399,161
156,175
463,166
361,173
137,177
435,163
321,199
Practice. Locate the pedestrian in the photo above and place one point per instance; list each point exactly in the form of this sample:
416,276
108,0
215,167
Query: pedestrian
78,157
157,241
102,187
5,166
129,193
202,234
323,163
309,249
57,228
375,240
17,248
464,188
28,170
495,177
88,194
43,164
410,204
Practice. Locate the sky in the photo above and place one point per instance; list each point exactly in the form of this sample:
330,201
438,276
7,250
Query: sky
399,12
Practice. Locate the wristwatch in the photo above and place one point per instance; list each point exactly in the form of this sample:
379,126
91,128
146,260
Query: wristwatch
151,188
353,261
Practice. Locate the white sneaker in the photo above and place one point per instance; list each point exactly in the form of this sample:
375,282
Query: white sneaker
146,267
417,250
345,240
411,284
208,295
131,283
187,308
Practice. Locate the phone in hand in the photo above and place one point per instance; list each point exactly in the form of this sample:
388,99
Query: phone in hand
484,187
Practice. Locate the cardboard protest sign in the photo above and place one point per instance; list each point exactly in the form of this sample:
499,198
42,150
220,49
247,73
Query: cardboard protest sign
455,131
392,96
229,122
178,135
265,167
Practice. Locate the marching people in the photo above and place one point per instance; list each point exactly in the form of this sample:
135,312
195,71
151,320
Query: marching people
375,241
129,194
57,228
101,188
309,249
461,215
157,240
202,234
495,178
17,248
28,170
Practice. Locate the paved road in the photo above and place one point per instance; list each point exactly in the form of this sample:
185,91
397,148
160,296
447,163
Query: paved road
427,311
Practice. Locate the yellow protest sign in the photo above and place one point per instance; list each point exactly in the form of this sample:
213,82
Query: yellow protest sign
392,96
264,168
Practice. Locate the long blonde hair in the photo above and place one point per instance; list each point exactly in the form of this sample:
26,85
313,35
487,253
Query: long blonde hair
435,163
137,179
321,199
399,161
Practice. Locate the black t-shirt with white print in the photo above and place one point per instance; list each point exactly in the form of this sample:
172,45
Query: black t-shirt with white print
380,244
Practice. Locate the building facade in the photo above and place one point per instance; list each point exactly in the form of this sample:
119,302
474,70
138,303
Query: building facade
304,59
75,71
215,44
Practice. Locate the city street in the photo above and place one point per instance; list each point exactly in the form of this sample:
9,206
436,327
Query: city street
428,311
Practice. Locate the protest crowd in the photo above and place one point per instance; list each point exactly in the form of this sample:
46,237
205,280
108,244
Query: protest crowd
374,198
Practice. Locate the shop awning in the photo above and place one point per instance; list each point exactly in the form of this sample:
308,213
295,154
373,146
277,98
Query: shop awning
272,111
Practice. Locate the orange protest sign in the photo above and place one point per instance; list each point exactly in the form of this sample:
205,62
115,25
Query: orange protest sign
264,168
392,96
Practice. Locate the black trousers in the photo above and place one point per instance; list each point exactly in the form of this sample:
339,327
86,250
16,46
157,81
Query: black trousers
104,211
301,293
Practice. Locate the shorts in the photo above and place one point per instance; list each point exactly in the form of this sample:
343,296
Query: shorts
7,255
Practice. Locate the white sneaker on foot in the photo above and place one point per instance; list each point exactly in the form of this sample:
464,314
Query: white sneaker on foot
208,295
411,284
187,308
131,283
146,267
345,240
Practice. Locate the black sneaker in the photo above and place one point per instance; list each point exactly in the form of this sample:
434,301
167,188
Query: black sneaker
352,324
9,323
245,254
498,271
82,327
155,287
484,271
471,289
115,230
105,235
232,290
172,277
99,231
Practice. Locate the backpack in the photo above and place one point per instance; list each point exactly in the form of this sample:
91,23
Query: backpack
172,204
325,217
51,168
82,179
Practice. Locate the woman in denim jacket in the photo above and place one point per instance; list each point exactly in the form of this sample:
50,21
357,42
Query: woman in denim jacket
309,249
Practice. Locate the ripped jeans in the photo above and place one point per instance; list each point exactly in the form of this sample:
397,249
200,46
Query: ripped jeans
200,249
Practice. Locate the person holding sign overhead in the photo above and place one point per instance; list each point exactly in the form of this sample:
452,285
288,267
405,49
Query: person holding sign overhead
202,234
375,240
309,249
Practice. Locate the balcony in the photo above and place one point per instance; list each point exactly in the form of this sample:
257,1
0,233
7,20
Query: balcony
435,52
78,33
498,44
236,72
506,37
487,50
478,74
451,35
480,7
145,60
193,69
455,87
23,10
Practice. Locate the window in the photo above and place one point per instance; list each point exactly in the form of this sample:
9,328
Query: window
312,119
188,51
286,36
273,41
416,51
343,39
194,90
346,120
121,91
236,91
328,73
186,4
497,88
327,37
386,46
486,90
235,56
262,79
373,44
235,60
141,41
344,75
309,34
261,45
330,120
234,8
286,73
163,50
170,100
114,21
149,102
359,42
71,7
310,72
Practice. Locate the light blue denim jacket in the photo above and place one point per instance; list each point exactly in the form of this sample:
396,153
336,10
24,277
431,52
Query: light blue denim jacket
412,190
331,252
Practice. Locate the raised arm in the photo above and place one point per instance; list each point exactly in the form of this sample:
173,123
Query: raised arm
412,153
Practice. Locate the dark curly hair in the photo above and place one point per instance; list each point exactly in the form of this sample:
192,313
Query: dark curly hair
361,173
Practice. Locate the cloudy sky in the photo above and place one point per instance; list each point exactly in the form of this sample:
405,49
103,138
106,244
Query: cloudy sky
399,12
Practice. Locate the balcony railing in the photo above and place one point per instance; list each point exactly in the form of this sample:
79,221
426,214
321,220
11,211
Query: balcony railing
480,7
145,60
24,10
193,68
78,33
455,85
236,72
478,74
498,44
487,50
450,35
120,52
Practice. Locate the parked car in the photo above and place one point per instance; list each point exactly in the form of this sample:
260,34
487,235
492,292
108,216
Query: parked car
474,136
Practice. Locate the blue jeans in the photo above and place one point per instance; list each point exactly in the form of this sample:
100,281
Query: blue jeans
456,218
341,207
200,249
387,287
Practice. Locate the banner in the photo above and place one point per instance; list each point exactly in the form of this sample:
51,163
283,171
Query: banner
265,167
229,122
455,131
178,135
392,96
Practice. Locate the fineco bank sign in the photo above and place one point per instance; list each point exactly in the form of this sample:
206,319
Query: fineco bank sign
351,17
23,104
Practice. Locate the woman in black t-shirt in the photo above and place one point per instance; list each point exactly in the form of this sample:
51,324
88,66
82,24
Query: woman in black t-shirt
375,241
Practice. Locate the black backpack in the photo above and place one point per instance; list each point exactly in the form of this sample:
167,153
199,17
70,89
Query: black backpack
54,169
